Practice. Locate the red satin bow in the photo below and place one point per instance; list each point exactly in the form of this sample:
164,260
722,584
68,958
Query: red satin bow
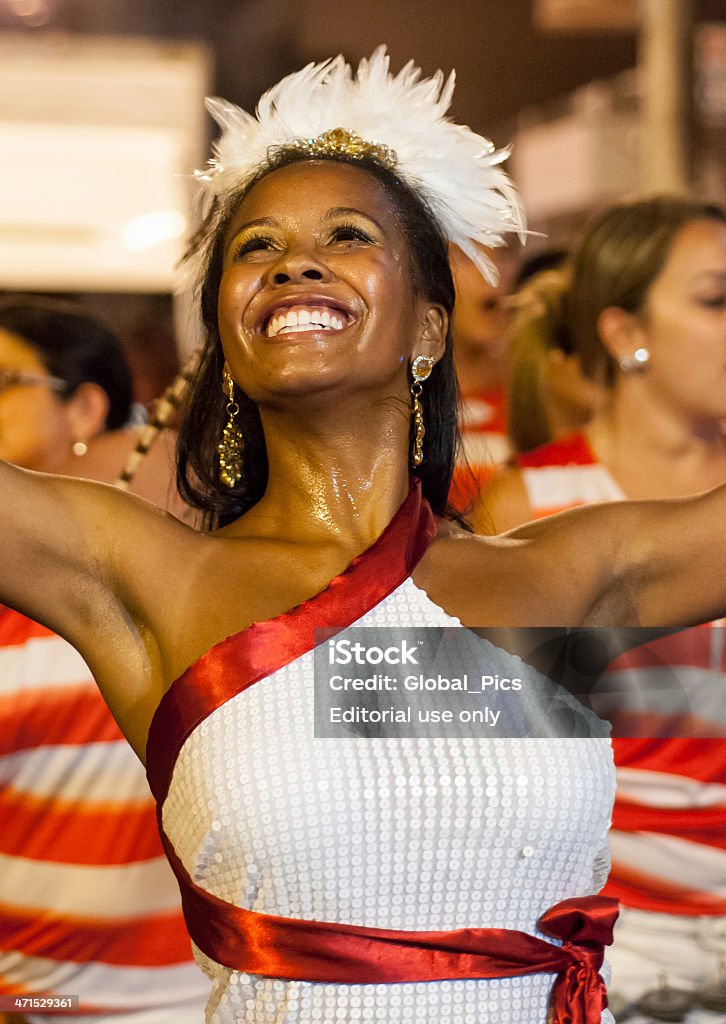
585,925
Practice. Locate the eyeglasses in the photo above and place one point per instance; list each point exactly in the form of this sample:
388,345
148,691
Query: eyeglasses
17,378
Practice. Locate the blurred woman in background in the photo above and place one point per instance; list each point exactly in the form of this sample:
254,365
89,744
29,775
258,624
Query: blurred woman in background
549,396
480,329
646,312
87,903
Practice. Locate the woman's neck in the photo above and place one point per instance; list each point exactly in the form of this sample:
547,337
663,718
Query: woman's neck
479,370
653,450
328,480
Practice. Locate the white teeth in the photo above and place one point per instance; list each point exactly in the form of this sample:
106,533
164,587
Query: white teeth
294,329
291,321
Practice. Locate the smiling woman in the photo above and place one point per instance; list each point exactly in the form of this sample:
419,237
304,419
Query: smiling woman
341,879
378,262
309,259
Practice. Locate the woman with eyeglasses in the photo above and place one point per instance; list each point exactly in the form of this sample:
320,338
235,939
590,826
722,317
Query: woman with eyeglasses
79,852
63,380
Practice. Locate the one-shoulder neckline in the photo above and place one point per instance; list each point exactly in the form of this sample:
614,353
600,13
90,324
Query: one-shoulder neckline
256,650
367,554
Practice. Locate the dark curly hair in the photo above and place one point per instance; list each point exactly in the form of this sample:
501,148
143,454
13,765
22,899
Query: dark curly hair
201,430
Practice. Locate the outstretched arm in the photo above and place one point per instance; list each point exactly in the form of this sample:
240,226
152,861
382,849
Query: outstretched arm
676,560
56,550
647,563
89,561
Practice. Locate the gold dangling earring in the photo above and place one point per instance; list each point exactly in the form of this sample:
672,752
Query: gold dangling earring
231,446
421,369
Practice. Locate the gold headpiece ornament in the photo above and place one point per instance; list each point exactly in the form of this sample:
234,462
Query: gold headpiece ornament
341,142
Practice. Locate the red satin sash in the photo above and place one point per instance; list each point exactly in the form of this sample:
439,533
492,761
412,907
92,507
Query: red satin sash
322,951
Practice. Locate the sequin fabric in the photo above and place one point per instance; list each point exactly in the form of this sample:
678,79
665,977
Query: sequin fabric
414,834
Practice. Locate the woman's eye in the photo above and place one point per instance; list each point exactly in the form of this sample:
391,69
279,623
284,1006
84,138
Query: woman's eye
349,233
714,301
258,243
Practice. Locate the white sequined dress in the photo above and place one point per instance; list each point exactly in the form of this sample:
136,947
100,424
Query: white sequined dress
413,834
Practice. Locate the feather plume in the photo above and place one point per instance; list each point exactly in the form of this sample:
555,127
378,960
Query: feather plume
457,171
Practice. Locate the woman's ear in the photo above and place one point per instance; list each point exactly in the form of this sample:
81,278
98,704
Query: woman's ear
432,333
87,410
621,333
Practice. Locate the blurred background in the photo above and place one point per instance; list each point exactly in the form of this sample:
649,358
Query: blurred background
101,121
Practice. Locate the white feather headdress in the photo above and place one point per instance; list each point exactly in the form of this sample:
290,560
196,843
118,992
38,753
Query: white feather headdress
399,120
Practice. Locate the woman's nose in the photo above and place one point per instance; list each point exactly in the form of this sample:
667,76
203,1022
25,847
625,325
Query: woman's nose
300,265
311,273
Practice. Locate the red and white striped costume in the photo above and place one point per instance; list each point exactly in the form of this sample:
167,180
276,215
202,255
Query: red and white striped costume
669,824
485,445
88,904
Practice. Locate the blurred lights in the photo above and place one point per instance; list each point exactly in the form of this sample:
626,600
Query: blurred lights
32,12
152,229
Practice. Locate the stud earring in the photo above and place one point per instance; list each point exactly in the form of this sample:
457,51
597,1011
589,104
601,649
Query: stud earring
637,361
231,446
421,369
79,448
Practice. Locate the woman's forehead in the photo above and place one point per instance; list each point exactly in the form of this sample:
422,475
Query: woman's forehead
16,352
314,187
698,245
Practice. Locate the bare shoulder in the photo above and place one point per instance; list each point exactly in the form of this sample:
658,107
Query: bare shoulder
502,505
122,531
159,573
555,572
